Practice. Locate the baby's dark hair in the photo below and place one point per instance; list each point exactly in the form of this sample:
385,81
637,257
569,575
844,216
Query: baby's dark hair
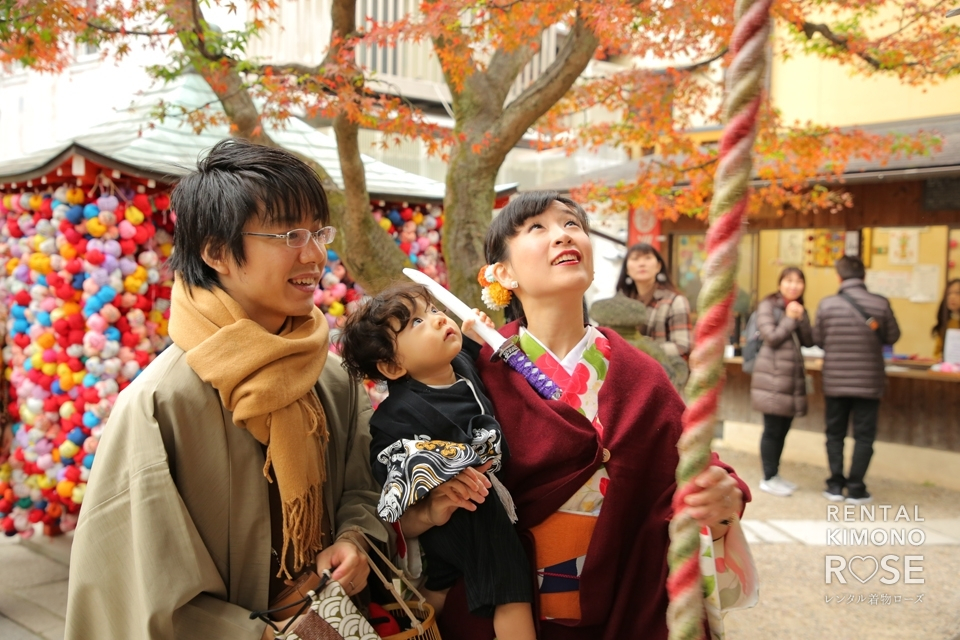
369,335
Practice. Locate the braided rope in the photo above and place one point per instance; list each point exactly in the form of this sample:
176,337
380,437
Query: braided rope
727,211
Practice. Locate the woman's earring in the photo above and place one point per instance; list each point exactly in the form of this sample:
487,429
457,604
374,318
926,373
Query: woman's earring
661,277
628,280
514,284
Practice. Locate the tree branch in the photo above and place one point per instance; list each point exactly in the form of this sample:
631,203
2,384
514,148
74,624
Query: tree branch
696,66
810,29
696,167
543,93
128,32
223,77
452,49
370,254
504,68
291,69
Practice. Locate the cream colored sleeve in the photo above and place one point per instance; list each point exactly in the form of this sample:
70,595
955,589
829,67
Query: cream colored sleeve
139,568
358,502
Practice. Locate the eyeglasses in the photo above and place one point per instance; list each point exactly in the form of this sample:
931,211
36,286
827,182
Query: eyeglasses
299,237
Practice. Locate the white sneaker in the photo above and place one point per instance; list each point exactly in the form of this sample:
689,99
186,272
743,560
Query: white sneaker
791,485
775,486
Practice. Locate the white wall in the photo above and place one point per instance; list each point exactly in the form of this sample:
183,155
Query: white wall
38,111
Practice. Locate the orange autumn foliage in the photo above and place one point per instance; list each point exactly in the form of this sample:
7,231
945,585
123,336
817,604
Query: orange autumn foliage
654,103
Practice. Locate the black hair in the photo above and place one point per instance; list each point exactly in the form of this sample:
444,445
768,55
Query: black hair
849,267
369,334
235,182
506,225
943,313
791,271
629,289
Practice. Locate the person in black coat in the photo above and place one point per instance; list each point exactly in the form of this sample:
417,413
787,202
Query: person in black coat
852,327
435,423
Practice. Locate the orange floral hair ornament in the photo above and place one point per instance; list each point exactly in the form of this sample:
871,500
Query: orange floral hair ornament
494,295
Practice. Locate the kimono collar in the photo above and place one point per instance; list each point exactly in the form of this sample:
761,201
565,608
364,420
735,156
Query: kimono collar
569,363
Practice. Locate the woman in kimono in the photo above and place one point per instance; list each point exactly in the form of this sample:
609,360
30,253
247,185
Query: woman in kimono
592,474
240,457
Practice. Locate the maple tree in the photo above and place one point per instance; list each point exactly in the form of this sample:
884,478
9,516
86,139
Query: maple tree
33,33
483,46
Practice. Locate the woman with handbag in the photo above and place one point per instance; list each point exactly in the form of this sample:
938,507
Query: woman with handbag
237,463
778,388
592,474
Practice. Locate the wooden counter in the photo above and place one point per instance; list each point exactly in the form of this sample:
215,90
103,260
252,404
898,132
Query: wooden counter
919,407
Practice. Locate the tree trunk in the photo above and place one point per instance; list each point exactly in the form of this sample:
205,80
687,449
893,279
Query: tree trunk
468,210
370,254
490,130
471,177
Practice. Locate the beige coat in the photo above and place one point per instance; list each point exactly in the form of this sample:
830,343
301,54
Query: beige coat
173,539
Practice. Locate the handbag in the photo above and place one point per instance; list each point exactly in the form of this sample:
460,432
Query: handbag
320,609
287,602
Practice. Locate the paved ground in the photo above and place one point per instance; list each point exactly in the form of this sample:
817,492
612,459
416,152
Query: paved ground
789,539
33,589
789,543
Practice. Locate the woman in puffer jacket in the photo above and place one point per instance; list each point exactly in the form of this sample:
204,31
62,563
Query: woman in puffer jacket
778,389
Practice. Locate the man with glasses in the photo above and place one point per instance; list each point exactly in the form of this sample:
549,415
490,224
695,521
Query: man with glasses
240,457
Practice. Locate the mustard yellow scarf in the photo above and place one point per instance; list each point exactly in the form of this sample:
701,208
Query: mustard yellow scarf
267,381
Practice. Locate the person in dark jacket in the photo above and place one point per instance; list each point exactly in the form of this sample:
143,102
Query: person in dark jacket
852,327
778,388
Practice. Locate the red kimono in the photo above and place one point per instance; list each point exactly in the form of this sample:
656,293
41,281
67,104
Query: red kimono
555,451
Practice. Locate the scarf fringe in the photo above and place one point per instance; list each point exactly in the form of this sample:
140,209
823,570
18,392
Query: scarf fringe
302,528
303,515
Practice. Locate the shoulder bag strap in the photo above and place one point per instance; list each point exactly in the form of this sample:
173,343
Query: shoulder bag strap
872,323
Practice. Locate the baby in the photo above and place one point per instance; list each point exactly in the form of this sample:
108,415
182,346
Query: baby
435,423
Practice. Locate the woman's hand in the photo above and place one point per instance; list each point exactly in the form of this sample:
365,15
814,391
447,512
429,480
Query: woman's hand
795,310
719,498
468,487
469,324
349,565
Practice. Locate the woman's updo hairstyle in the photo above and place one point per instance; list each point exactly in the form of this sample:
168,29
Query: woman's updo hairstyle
508,222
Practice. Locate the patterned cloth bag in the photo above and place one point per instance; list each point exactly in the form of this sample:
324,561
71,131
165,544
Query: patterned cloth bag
328,613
